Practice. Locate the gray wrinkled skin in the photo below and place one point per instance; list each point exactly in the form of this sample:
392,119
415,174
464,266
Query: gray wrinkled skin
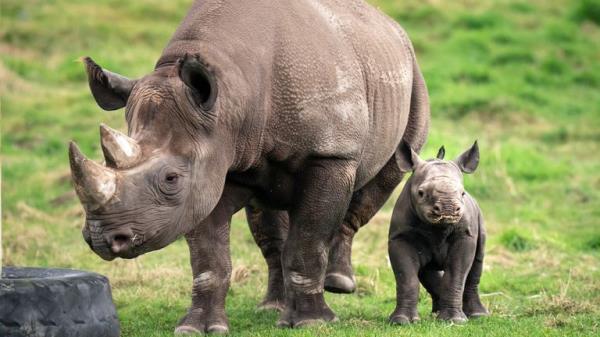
437,238
293,110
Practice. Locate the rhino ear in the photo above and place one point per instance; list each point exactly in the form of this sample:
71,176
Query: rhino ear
406,158
110,90
469,160
441,153
200,79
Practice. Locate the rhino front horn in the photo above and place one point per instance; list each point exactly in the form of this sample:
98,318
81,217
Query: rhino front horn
119,150
95,184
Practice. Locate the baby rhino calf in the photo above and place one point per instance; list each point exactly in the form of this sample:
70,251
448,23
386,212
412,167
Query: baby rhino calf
437,237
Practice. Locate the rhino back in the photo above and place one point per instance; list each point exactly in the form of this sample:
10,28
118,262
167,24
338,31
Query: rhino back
332,78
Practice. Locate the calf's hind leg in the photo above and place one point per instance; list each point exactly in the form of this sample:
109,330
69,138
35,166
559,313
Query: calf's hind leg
472,306
431,279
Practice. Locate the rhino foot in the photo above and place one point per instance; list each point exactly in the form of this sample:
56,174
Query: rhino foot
268,304
199,322
319,314
403,316
339,283
455,316
339,277
475,309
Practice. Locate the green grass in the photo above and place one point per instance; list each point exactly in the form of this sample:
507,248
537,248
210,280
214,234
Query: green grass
523,77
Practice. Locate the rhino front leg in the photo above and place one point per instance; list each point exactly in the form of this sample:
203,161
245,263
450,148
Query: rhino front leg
269,229
460,258
211,267
324,194
363,206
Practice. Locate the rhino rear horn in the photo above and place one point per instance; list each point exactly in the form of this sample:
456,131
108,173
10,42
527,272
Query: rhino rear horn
95,184
110,90
120,151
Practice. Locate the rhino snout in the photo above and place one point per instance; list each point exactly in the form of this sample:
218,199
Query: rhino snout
109,244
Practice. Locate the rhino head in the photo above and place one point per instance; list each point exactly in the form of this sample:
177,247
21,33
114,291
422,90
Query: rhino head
167,173
436,185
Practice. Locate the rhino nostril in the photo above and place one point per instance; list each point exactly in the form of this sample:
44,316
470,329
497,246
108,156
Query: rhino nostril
119,243
436,209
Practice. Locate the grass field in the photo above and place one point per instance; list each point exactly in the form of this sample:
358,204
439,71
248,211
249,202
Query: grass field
521,76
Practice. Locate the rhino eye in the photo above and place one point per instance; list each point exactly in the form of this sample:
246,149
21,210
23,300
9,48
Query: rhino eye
171,177
421,193
169,184
463,193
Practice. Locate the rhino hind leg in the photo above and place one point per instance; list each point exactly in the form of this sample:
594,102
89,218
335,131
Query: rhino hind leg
269,229
369,199
326,190
363,206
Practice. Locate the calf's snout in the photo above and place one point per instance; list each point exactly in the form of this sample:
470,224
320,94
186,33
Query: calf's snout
447,208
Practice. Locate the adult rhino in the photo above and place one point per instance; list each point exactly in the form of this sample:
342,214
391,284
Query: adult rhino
293,109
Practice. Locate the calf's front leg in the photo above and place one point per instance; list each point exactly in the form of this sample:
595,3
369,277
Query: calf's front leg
472,306
459,261
324,192
211,267
405,260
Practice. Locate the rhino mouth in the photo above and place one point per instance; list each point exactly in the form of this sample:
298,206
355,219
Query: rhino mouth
444,219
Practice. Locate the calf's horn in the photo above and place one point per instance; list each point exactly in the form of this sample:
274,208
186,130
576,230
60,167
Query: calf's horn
95,184
120,151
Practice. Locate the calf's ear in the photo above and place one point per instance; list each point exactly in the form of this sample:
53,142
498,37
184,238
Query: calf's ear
441,153
469,160
198,76
110,90
406,158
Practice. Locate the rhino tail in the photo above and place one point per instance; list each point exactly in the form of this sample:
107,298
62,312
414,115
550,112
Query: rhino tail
417,127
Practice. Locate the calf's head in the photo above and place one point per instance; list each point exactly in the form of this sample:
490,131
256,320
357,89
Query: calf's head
436,186
167,173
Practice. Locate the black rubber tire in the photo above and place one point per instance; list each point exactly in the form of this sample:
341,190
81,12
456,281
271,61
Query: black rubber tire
56,302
